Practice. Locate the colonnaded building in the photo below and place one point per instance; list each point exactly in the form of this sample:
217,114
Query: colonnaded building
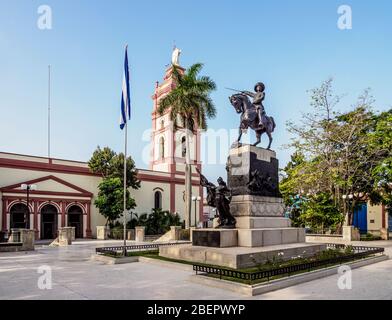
66,190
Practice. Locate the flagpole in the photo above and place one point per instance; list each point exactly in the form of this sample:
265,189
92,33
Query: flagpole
127,113
48,111
125,189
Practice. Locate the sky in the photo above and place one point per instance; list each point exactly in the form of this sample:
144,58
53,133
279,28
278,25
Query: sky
291,46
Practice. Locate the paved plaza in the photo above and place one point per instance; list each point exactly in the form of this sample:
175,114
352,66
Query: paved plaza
75,276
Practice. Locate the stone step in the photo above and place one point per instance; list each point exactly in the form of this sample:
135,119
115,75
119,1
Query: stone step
270,236
239,257
262,222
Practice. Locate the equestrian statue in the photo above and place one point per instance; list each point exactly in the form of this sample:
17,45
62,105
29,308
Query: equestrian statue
252,113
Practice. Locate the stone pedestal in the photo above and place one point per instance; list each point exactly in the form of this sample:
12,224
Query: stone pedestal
215,238
24,236
262,232
257,206
131,234
350,233
262,222
384,234
15,235
103,232
270,237
65,236
239,257
175,233
253,171
140,234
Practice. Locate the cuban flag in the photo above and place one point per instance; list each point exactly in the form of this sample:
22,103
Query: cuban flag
125,97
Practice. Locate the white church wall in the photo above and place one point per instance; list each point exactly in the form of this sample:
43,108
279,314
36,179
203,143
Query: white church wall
144,197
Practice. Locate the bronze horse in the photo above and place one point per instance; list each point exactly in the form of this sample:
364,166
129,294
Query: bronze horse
250,119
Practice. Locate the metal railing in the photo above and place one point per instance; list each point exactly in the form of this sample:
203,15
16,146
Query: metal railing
359,253
116,250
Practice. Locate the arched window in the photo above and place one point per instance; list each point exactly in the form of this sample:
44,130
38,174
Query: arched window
162,124
183,146
19,216
161,147
157,200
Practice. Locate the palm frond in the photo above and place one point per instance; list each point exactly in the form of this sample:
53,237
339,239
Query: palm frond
189,101
194,70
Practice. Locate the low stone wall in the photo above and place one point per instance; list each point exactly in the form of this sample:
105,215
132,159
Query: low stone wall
11,246
103,232
20,240
65,236
324,238
140,233
350,233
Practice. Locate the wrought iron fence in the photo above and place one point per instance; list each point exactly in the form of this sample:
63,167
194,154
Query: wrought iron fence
358,253
117,250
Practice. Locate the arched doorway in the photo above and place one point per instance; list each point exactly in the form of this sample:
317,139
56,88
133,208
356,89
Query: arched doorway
75,219
49,215
19,216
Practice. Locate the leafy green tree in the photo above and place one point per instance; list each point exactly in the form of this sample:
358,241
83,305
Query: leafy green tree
381,139
320,212
346,155
190,106
111,190
109,164
110,199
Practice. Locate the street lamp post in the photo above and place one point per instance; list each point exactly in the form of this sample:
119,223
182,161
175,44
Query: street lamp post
195,199
28,188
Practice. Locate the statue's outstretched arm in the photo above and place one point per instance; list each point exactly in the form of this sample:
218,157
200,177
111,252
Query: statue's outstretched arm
203,180
248,93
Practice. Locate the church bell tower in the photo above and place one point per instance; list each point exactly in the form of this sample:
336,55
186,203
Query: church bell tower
168,146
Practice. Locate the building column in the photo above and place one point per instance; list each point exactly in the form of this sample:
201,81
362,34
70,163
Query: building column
4,216
88,226
35,226
63,223
8,226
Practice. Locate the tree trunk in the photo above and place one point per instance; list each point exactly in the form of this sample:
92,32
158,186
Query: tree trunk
188,179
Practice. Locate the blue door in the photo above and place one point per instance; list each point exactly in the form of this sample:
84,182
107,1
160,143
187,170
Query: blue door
360,217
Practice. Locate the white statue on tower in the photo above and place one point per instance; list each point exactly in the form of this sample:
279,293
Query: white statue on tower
176,56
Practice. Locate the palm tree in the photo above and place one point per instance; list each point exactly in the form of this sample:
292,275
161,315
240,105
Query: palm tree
190,106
